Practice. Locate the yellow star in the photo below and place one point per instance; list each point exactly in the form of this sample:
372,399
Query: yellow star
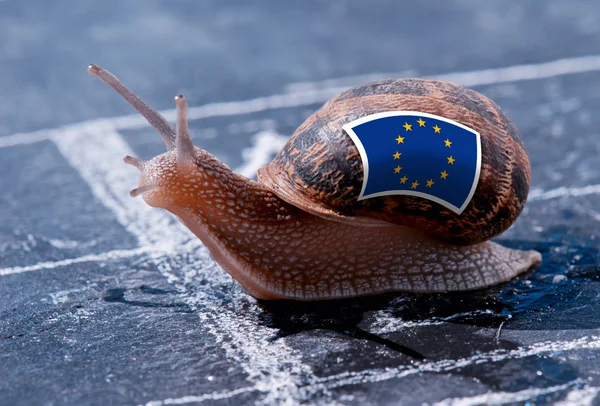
407,126
421,122
448,142
444,175
437,129
415,184
430,183
400,140
397,169
451,160
403,179
397,155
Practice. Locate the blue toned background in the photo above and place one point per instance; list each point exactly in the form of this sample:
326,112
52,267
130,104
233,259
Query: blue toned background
440,162
106,302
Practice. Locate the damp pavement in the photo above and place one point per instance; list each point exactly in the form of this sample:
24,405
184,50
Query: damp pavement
104,300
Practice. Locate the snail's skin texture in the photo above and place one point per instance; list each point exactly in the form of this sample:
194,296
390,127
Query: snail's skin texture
280,250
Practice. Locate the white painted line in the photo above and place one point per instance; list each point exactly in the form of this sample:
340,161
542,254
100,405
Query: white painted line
538,194
346,81
502,398
27,138
387,323
266,145
201,398
580,397
307,94
103,257
447,365
97,152
515,73
273,368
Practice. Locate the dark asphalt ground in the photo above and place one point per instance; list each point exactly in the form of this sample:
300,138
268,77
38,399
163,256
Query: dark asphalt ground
104,300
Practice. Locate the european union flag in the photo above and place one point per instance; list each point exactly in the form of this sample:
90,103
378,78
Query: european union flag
417,154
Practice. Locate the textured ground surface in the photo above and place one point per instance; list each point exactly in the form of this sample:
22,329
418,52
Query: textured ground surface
106,301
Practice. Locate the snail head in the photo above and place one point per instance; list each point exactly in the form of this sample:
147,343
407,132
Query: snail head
167,178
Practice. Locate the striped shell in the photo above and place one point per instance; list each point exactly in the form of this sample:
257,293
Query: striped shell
320,170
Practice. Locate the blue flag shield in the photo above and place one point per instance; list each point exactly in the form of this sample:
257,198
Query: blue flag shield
417,154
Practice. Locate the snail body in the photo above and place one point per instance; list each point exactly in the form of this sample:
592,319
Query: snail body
300,232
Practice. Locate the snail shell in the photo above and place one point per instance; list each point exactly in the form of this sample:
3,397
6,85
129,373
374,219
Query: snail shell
320,169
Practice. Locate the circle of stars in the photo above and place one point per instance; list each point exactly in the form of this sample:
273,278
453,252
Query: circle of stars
400,139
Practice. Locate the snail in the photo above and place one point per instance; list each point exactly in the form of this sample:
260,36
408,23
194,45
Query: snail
300,232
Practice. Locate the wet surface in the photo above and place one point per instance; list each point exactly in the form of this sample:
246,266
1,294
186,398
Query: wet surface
106,301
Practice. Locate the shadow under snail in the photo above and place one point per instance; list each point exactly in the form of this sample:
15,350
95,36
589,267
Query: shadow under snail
301,233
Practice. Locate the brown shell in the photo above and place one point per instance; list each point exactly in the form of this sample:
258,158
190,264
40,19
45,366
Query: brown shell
320,169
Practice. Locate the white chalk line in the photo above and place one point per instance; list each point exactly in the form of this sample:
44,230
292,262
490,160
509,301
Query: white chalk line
201,398
103,257
90,150
313,93
502,398
576,397
515,73
580,397
265,144
560,192
346,82
447,365
272,368
31,137
386,323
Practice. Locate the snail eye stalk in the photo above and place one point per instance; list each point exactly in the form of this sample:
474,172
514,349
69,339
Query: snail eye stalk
156,120
183,143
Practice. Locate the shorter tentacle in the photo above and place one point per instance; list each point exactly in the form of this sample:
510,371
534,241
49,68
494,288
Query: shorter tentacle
142,189
133,161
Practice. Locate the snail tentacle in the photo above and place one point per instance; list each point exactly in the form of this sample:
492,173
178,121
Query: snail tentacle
184,145
133,161
156,120
141,190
